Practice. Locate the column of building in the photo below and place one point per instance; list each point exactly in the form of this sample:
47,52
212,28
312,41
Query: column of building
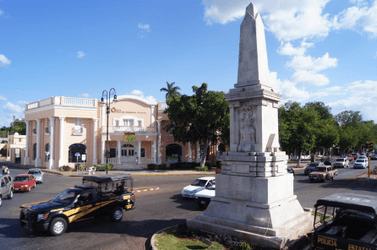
61,152
95,120
27,158
119,151
52,156
159,142
189,159
103,124
197,152
38,149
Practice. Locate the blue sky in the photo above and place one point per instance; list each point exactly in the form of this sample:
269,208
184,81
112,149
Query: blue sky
318,50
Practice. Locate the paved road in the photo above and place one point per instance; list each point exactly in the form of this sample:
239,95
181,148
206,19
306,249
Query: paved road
155,210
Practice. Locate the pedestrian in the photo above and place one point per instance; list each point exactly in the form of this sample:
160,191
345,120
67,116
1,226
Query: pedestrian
5,170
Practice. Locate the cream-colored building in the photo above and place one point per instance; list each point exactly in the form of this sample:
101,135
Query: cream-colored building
64,130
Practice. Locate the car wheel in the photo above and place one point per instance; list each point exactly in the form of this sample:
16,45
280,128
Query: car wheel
311,180
58,226
117,214
324,179
10,195
1,200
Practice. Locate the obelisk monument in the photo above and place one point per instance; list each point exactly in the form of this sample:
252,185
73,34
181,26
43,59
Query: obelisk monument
254,193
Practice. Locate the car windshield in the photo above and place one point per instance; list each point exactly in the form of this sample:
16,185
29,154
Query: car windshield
198,182
313,164
320,169
360,160
339,159
67,196
34,172
21,178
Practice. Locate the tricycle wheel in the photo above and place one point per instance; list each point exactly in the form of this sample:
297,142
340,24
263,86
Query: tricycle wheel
117,214
57,226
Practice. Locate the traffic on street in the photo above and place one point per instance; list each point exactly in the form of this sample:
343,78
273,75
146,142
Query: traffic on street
158,204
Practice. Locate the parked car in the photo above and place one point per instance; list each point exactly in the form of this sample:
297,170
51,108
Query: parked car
373,157
24,182
361,163
345,221
323,173
37,173
6,187
198,185
203,197
341,163
328,161
312,166
355,156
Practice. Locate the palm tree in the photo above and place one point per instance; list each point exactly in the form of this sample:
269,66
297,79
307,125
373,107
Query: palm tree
170,90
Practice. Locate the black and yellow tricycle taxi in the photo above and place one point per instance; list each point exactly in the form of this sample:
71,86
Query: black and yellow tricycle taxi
95,197
345,221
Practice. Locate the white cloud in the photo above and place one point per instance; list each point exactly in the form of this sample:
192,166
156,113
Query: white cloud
359,96
288,49
13,108
288,89
355,18
144,27
312,64
2,97
4,60
286,19
80,54
137,92
1,12
309,77
85,95
335,90
151,98
22,102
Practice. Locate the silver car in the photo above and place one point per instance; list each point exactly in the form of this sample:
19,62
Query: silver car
38,174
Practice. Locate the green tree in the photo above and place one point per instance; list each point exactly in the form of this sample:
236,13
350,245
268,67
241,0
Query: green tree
19,127
349,118
298,128
202,117
170,89
327,133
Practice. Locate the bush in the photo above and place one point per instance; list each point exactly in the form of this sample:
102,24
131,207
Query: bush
64,168
205,168
152,166
102,167
162,167
243,246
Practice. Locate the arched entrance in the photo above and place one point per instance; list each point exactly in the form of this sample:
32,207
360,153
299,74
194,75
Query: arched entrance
173,153
128,153
76,151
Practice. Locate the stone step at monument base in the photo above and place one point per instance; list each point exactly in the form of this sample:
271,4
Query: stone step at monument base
260,236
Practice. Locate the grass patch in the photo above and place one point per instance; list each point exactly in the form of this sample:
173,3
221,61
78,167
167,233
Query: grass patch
171,240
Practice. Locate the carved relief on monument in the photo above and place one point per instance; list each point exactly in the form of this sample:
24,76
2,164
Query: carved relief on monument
247,128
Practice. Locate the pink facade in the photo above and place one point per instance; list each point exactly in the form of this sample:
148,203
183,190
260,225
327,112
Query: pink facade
64,130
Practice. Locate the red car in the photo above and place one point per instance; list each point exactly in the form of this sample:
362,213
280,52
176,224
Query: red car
24,182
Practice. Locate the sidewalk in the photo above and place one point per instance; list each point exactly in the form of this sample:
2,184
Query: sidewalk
136,172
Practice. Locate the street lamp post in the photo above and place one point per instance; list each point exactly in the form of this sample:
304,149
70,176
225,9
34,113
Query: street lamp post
107,103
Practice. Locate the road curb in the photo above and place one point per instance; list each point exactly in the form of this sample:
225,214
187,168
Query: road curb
153,238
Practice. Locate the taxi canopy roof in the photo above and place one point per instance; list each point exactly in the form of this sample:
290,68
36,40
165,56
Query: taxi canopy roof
107,178
365,203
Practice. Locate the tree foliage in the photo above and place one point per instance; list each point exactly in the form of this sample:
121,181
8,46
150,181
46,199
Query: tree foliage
202,117
170,90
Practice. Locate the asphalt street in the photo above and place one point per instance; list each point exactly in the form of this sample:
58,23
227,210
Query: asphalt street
155,209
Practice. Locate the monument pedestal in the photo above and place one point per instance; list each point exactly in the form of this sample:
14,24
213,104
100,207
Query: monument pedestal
255,201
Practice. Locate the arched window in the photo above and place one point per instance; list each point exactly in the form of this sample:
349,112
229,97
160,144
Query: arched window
76,151
47,152
173,153
34,151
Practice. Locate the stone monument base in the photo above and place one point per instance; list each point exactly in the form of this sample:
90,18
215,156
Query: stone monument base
231,217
